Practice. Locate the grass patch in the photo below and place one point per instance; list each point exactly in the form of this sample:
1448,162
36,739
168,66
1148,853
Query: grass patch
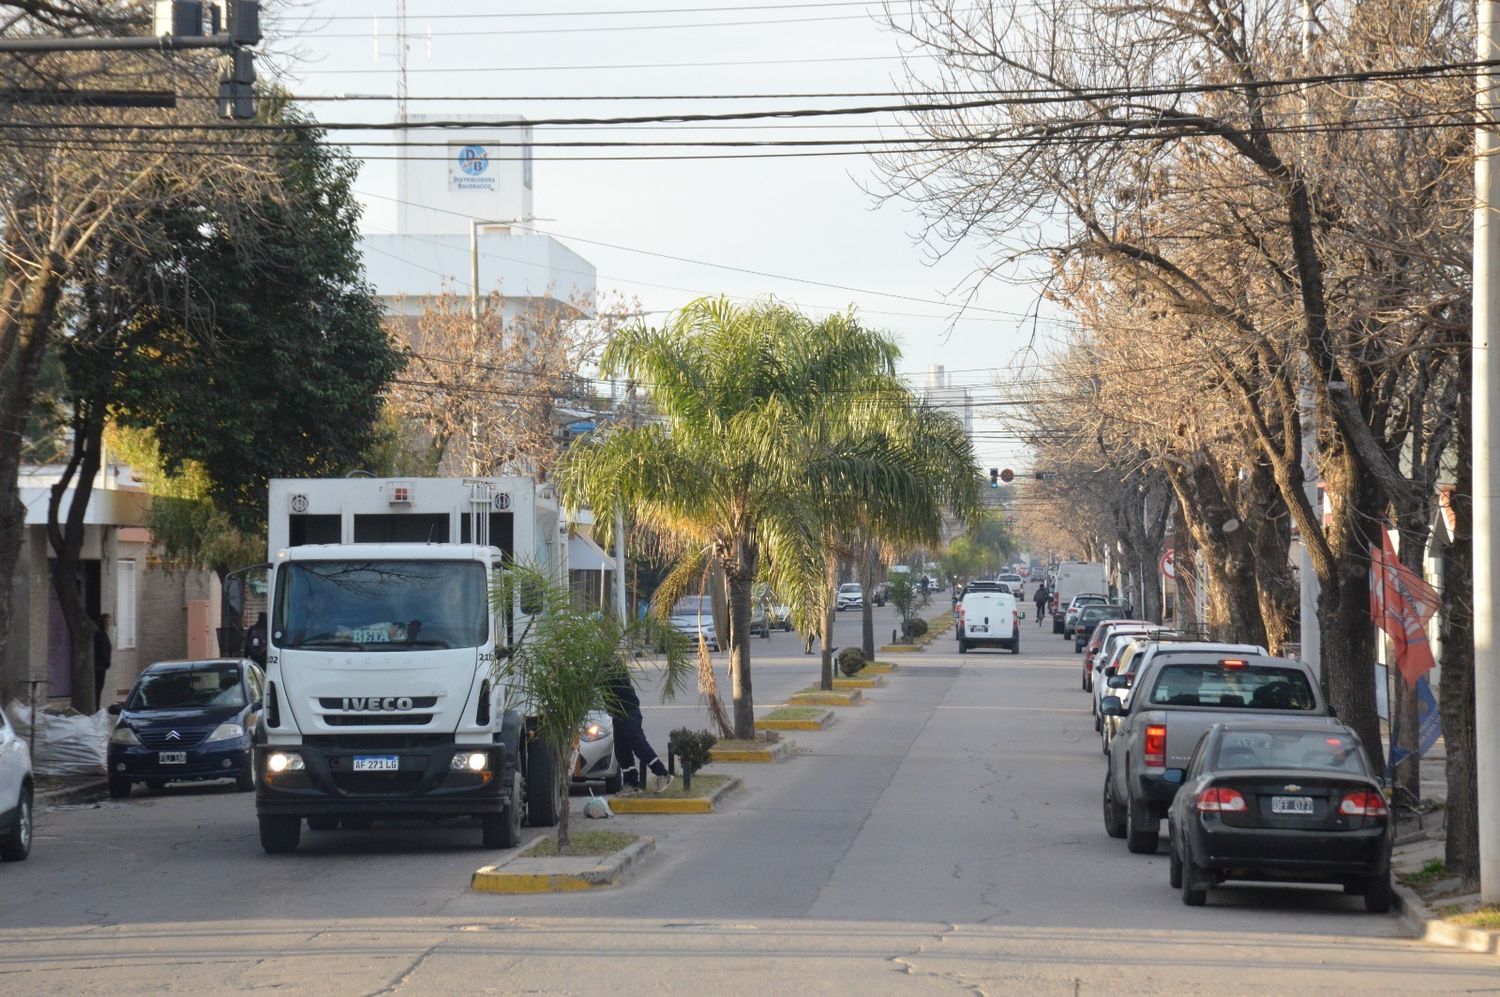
703,785
1430,872
794,713
1485,918
582,843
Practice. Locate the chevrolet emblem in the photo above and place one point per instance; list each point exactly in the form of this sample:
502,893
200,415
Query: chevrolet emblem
174,736
1292,788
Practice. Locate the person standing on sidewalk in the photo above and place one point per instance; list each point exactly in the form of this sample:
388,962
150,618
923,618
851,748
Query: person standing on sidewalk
103,651
632,750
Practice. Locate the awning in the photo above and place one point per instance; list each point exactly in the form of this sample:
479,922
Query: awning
585,555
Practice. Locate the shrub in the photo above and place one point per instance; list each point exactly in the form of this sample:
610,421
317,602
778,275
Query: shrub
851,660
692,749
914,628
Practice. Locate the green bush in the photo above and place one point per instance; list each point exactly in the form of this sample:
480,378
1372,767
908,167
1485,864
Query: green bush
914,628
692,749
851,660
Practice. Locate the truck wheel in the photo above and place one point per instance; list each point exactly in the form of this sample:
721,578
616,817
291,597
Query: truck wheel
544,801
279,834
1056,626
323,822
1114,814
119,788
503,829
1142,831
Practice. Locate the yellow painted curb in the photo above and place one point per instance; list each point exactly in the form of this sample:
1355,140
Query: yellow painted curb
774,751
492,880
873,682
900,649
815,724
848,697
880,668
657,805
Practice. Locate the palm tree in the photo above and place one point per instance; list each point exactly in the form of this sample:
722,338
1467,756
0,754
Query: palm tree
721,479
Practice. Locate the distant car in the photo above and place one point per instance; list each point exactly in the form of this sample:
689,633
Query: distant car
186,721
596,754
1283,800
16,789
1073,608
1016,582
781,616
988,617
851,596
693,617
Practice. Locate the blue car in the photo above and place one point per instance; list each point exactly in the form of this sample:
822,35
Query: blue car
186,721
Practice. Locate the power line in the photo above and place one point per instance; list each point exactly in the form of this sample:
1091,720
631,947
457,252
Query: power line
621,12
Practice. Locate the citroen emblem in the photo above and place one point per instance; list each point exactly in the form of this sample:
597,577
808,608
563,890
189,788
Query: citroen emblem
1292,788
174,736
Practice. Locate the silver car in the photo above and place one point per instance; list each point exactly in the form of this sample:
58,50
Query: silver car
16,787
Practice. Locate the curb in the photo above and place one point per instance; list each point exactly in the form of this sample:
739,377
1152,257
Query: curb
610,870
873,682
816,724
1419,920
656,805
900,649
879,668
89,792
847,697
774,751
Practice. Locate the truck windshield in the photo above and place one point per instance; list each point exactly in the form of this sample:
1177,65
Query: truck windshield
380,605
1237,687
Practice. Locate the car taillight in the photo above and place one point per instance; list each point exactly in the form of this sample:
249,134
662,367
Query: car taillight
1364,804
1156,745
1015,615
1220,800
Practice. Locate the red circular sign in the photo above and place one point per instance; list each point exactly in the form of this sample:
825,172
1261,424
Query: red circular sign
1007,475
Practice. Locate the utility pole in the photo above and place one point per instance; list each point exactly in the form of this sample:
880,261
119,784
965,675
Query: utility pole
1486,454
1311,637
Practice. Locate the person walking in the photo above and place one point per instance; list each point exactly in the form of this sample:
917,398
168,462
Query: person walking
632,750
1041,601
103,650
255,641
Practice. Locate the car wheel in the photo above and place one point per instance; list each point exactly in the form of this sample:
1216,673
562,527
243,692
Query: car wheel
1194,894
1087,685
1104,739
1174,868
1114,814
323,822
1378,893
119,788
1015,642
280,834
503,829
17,844
544,801
1098,721
963,646
244,782
1142,833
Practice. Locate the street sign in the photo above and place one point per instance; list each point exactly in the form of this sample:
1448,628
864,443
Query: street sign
1169,566
1007,475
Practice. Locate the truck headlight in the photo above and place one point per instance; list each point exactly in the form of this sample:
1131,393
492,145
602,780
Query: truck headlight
284,761
473,761
227,731
124,735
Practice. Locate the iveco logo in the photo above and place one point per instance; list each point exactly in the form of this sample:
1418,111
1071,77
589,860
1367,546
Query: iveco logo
372,703
174,736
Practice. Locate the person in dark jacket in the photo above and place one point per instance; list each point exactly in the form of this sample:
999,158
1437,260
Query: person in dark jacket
632,750
1041,602
255,641
103,650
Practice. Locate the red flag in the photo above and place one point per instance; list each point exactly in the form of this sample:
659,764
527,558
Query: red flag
1402,604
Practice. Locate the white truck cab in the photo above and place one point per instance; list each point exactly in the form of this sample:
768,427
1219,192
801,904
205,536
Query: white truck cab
381,698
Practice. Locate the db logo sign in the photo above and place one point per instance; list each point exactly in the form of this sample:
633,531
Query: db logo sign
473,160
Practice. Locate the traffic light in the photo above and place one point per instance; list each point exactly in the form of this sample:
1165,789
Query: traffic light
994,477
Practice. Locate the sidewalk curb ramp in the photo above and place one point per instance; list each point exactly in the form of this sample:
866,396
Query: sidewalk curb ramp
1422,923
645,803
771,751
846,697
817,723
562,874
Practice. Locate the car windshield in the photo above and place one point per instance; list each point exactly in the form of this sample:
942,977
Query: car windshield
183,688
1232,686
849,589
693,605
381,605
1329,751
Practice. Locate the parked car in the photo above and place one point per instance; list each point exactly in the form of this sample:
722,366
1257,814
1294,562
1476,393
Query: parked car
1177,697
851,596
988,617
781,616
595,761
693,617
1014,581
880,593
1107,636
1146,648
1069,613
1087,619
1284,800
16,794
186,721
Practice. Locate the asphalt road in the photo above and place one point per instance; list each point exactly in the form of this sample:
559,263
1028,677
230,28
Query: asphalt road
944,837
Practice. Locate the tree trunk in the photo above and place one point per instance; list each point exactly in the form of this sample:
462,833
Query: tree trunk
1185,562
830,615
1223,544
66,539
563,779
739,580
867,610
1270,535
1456,699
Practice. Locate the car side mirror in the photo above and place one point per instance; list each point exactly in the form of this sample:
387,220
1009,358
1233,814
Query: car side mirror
1118,682
114,709
1111,706
1173,776
1109,670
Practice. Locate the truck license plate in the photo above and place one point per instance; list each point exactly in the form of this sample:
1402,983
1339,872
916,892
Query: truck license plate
171,757
376,763
1291,805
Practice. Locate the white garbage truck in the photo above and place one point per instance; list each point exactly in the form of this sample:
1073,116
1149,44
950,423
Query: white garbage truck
380,699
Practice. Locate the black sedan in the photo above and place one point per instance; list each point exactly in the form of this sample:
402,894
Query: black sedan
1285,800
186,720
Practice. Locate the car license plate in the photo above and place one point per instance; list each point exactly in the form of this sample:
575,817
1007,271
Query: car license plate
171,757
979,630
376,763
1291,805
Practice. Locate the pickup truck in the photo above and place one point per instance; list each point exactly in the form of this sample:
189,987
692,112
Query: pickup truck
1176,698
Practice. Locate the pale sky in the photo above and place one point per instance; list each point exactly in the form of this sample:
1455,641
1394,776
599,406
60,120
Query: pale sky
804,217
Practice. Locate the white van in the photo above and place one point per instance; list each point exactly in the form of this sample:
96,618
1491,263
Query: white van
1075,578
988,617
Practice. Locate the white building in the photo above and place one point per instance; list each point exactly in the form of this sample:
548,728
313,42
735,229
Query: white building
940,392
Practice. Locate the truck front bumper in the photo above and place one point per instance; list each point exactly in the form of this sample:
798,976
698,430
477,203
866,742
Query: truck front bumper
423,783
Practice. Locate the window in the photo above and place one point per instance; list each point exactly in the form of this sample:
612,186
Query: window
380,605
125,605
188,688
1324,750
1236,687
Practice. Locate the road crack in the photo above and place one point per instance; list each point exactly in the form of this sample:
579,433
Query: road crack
406,976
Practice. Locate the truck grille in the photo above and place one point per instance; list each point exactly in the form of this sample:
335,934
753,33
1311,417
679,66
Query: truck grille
376,742
378,783
377,719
